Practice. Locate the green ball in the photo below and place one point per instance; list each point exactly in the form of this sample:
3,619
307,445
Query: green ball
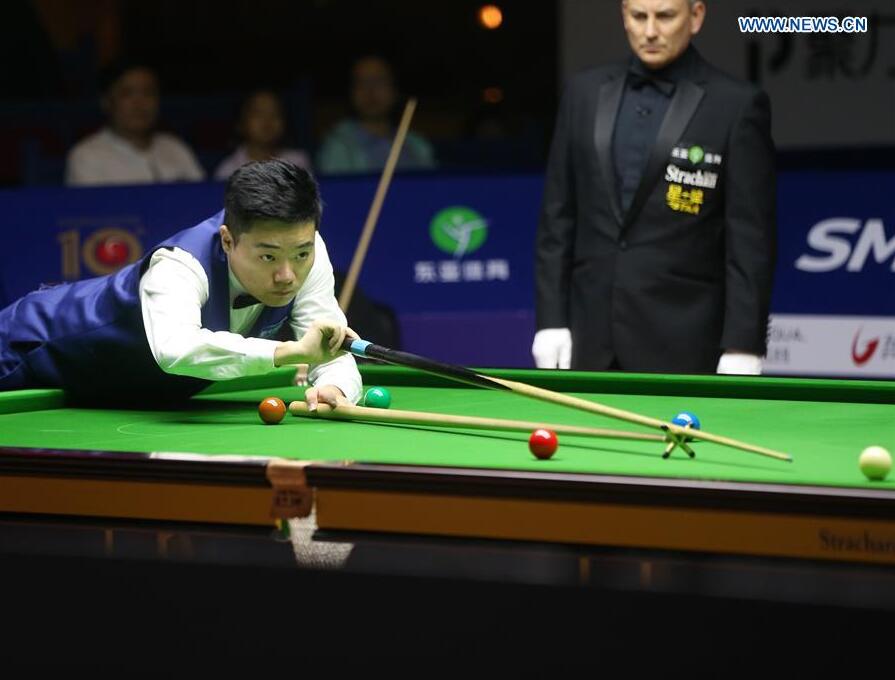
377,397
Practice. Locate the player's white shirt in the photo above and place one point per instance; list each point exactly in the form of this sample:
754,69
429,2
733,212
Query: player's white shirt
105,158
172,293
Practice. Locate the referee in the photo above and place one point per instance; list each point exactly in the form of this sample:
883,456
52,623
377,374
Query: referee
656,243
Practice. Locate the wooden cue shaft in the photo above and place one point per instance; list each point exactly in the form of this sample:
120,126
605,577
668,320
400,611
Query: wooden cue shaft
364,413
361,251
369,350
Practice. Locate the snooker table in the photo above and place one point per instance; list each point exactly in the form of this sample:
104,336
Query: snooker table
212,462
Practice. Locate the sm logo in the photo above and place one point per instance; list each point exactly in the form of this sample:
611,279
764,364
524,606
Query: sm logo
847,242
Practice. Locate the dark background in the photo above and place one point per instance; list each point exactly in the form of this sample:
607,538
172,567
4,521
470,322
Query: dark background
210,54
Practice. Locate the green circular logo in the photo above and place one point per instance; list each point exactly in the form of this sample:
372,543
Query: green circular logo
458,230
695,154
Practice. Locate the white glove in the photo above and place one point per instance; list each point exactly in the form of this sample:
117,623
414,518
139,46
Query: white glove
739,363
552,348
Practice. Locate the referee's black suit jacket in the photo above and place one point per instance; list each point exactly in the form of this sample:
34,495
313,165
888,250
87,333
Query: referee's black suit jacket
661,288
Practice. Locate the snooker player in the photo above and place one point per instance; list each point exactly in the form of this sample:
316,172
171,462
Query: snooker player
243,292
656,243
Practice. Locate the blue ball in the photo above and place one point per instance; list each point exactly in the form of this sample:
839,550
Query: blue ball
685,418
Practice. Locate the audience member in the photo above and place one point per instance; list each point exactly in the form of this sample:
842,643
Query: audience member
261,128
129,149
362,142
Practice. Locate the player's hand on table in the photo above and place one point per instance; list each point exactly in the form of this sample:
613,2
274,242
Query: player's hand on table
321,343
325,394
552,348
739,363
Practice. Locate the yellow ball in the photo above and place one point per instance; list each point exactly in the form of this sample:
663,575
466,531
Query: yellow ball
875,462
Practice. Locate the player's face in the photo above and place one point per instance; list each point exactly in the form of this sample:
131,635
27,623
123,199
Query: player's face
373,89
133,102
263,122
660,30
271,260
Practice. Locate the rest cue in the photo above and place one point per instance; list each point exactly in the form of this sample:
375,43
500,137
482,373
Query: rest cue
675,433
397,416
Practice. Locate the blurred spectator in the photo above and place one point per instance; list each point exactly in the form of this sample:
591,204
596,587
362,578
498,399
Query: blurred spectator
362,143
129,150
261,127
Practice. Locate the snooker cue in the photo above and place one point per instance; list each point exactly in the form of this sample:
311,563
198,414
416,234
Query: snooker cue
399,417
361,251
368,350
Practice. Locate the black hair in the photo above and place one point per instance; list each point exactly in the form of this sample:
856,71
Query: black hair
115,71
270,190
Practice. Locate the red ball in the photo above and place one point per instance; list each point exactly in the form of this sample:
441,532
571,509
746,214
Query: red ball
112,252
543,443
272,410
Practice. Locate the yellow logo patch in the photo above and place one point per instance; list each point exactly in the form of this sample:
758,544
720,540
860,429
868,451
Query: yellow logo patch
689,201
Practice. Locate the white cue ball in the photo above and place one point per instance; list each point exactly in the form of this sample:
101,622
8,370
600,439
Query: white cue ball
875,462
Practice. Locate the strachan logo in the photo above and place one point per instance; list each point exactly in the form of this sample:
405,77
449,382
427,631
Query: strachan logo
458,230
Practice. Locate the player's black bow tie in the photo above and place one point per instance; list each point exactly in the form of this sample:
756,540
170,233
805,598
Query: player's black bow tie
245,300
639,80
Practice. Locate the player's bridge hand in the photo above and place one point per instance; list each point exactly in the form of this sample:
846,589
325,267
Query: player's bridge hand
325,394
322,342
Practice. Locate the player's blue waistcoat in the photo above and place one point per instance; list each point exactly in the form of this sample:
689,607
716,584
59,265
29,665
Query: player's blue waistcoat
88,336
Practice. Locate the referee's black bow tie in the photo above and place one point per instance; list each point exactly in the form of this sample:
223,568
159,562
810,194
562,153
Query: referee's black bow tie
245,300
638,80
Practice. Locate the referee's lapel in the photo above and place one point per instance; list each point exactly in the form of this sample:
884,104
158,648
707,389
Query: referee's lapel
683,105
608,101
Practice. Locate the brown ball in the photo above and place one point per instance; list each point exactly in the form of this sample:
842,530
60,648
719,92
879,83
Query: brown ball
272,410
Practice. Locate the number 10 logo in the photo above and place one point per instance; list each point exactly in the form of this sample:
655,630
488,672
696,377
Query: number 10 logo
103,252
